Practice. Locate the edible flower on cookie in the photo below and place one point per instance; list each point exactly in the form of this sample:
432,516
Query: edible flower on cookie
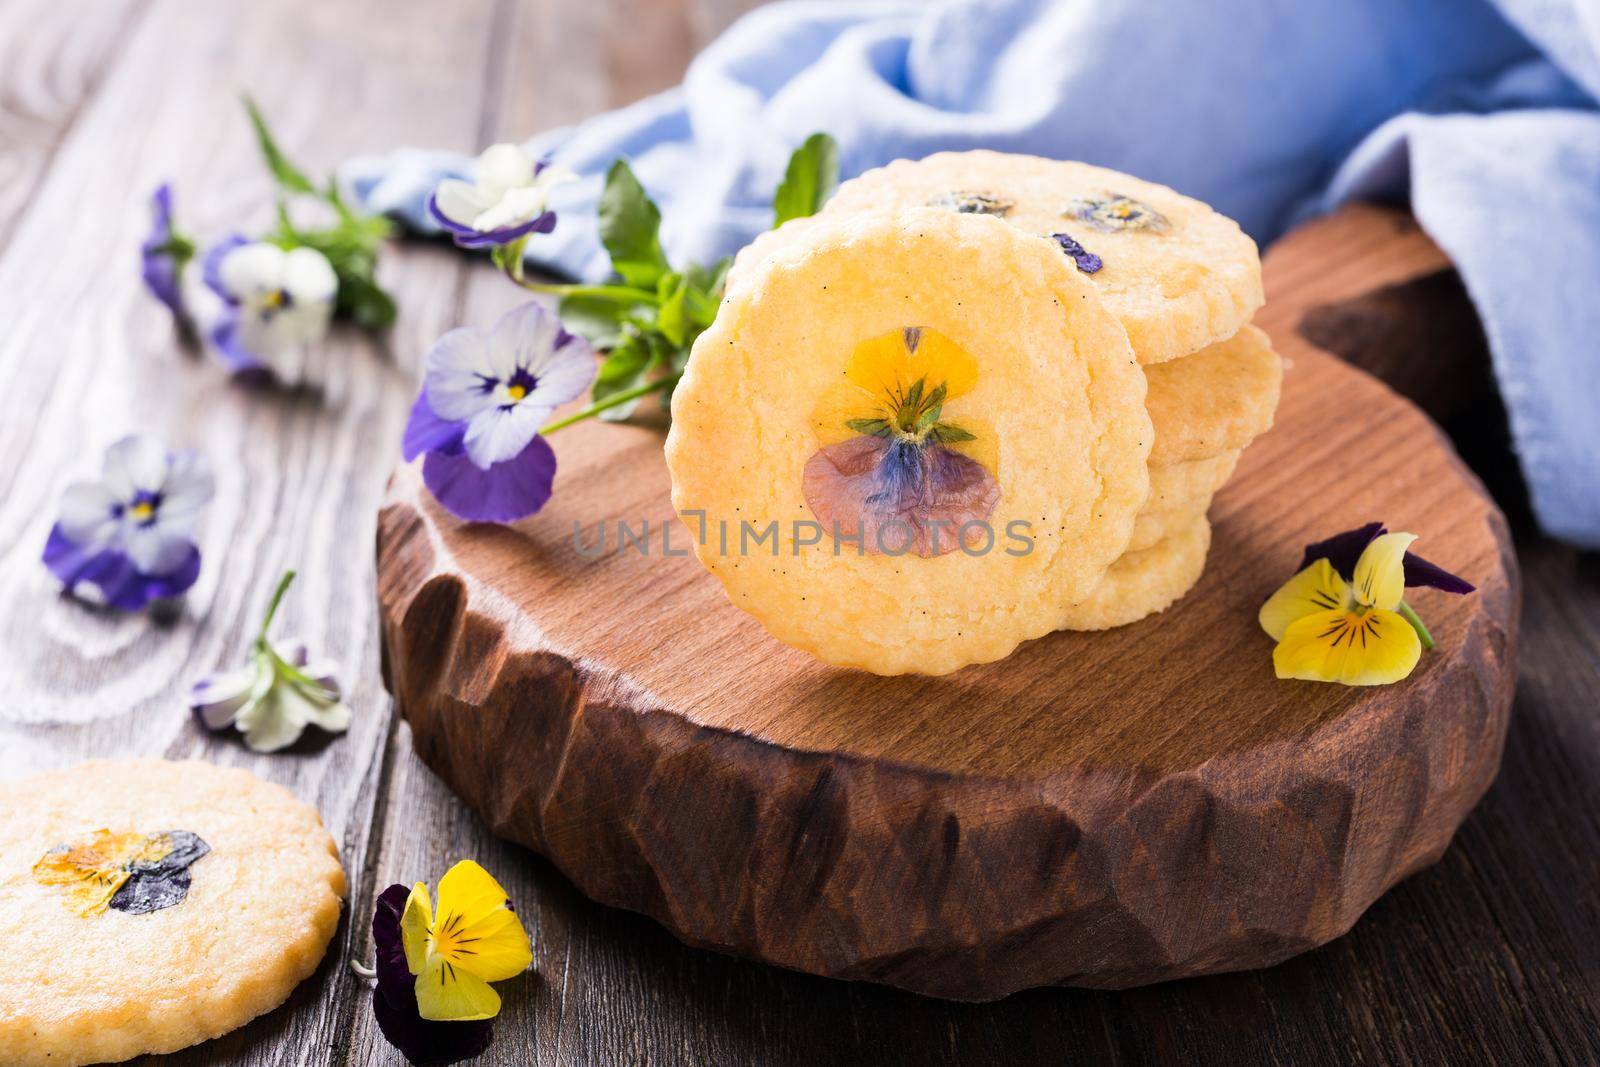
896,470
1113,213
128,872
1343,616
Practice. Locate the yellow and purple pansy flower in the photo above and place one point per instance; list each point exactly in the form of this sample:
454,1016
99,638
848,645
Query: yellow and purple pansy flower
433,1000
1115,213
896,471
127,872
1343,616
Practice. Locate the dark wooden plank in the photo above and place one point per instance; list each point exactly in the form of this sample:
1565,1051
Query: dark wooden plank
88,357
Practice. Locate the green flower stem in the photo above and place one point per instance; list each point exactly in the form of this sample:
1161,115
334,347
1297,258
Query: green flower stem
612,401
620,294
1416,624
272,605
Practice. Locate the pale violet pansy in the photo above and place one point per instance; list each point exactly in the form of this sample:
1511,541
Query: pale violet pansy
485,395
507,198
274,697
277,304
129,536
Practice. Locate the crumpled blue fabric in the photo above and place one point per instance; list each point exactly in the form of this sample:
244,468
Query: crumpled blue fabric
1482,111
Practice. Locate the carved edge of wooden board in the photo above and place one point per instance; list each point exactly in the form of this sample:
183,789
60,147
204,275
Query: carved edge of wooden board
1085,878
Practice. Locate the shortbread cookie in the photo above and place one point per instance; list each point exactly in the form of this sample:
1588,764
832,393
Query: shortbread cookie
1178,275
1206,403
947,406
1189,486
1217,400
1155,525
1143,583
148,905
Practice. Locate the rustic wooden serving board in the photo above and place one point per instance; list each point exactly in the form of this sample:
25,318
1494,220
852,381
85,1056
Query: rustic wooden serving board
1099,809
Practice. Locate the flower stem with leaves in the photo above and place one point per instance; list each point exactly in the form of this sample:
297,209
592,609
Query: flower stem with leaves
350,244
647,319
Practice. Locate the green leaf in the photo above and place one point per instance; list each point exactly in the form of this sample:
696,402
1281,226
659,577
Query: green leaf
630,225
289,177
597,321
871,427
673,319
704,295
622,370
947,433
932,408
811,178
913,398
364,302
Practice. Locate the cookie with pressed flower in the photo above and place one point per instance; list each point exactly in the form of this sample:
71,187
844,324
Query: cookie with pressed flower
1189,486
1179,275
1143,583
909,439
1217,400
149,905
1205,406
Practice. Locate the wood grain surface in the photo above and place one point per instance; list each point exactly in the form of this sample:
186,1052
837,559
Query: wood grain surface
1487,957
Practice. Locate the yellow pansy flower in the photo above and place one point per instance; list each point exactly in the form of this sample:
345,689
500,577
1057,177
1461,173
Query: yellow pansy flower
896,385
1330,630
895,466
1343,617
473,939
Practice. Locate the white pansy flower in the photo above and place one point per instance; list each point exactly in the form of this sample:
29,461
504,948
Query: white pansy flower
507,199
279,302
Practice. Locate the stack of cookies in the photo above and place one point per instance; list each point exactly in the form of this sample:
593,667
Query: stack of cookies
982,397
1184,282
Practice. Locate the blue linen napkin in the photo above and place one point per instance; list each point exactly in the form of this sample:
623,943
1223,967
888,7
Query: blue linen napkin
1268,109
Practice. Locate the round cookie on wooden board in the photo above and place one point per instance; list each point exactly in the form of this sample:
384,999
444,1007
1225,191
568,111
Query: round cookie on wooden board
1179,275
1189,486
1208,402
149,905
1155,525
764,430
1142,583
1217,400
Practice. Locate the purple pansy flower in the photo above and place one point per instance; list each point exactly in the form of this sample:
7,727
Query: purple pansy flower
394,1001
483,400
1343,550
278,302
164,253
1086,260
130,535
507,199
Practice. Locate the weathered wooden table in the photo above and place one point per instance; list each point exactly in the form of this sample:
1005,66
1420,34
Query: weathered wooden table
1490,957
